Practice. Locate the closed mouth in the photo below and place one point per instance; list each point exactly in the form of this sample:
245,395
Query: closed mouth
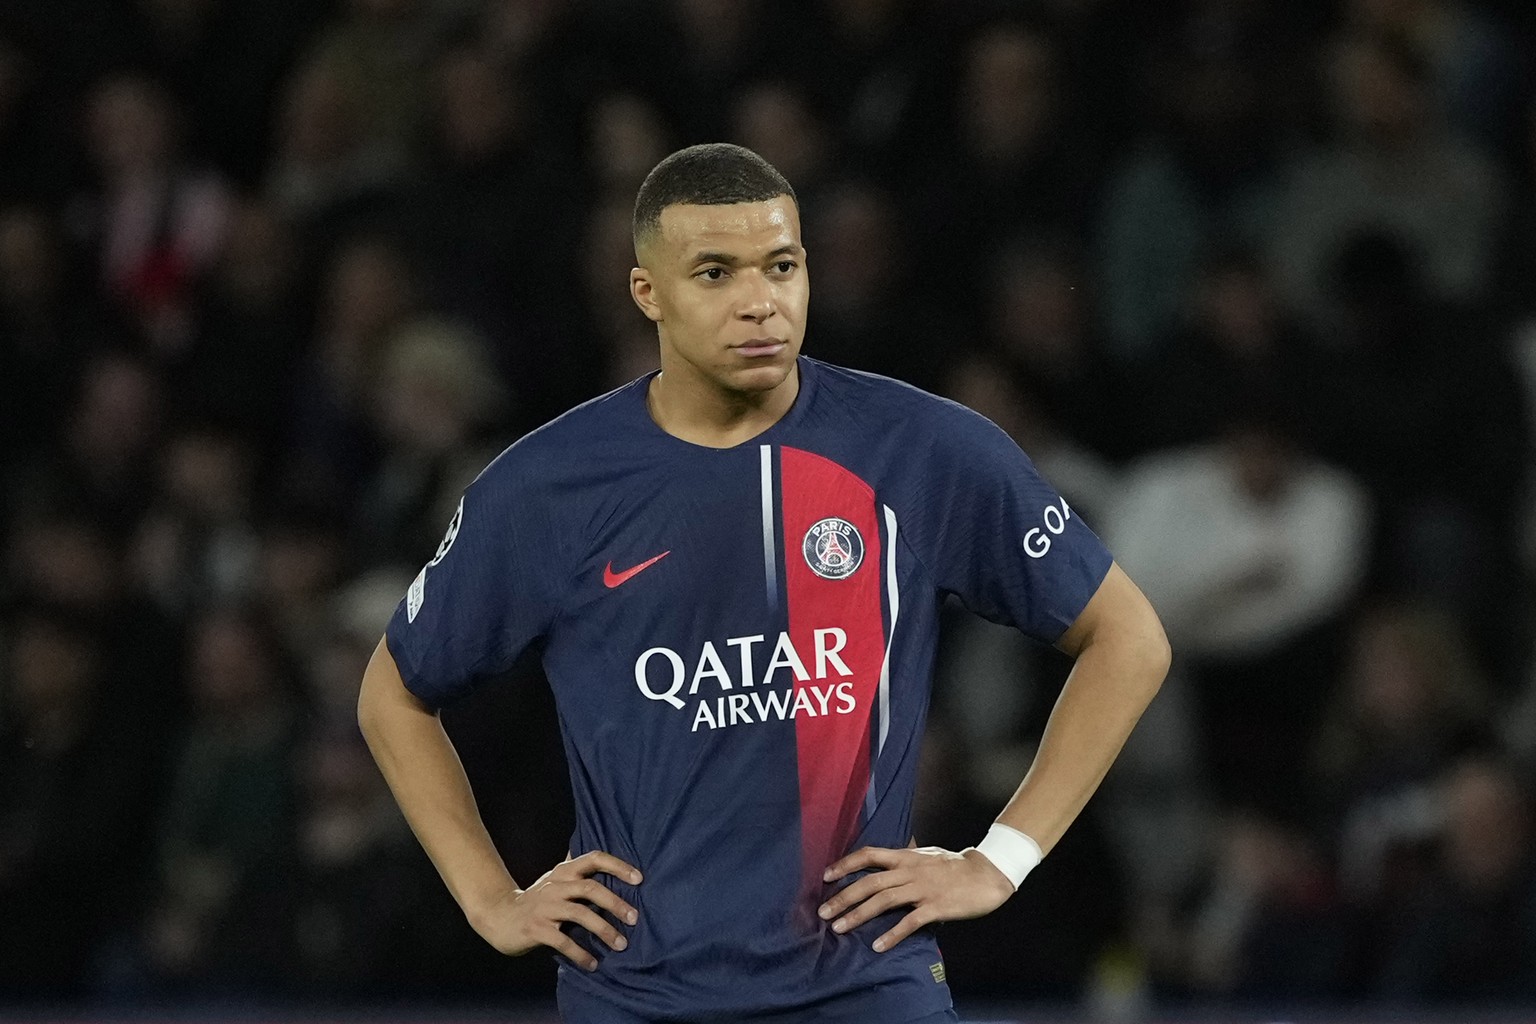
761,347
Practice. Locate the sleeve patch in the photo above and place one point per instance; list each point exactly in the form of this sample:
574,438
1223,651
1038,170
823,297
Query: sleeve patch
416,595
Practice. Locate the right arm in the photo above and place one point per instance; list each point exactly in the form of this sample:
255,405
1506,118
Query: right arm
428,781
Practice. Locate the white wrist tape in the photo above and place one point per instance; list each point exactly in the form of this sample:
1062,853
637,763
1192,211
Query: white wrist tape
1013,852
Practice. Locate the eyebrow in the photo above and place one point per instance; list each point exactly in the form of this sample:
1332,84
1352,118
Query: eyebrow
729,260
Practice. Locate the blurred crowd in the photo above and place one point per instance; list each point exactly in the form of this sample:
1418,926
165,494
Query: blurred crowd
1253,281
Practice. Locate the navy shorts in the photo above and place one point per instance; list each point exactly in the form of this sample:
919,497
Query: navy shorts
577,1007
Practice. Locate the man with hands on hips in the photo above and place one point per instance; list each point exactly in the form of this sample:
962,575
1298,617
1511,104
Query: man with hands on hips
734,569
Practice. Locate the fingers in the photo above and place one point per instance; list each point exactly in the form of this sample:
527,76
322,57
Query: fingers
600,895
876,905
566,946
593,922
858,892
563,895
906,926
938,884
858,860
589,864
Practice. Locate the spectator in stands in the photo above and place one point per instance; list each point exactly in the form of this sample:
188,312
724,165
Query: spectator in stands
437,411
1410,701
347,915
1007,170
1472,939
778,121
63,558
1474,65
608,329
368,293
555,50
341,637
220,835
324,165
1445,491
251,326
378,53
155,222
100,462
492,177
871,65
1235,338
45,332
68,807
1042,320
301,559
1204,180
699,48
861,320
224,63
1269,927
1391,168
1251,550
196,544
625,132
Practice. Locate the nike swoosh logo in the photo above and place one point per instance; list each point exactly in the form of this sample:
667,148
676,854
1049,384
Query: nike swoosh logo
613,579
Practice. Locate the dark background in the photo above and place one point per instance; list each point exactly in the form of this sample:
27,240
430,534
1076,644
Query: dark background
1251,280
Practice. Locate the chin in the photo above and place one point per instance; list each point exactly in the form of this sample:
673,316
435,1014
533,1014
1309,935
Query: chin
757,379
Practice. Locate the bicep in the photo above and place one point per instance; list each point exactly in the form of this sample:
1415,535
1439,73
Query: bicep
1118,609
383,689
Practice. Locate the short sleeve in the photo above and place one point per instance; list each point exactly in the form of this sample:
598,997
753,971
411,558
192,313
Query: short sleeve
489,591
1000,537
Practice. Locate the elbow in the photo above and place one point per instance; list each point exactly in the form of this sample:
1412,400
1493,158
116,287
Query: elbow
1146,643
1122,623
367,714
1159,655
1156,653
1137,653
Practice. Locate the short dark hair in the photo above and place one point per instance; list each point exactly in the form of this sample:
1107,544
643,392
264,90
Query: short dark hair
711,174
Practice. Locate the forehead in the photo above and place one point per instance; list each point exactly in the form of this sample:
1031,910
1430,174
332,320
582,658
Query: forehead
736,228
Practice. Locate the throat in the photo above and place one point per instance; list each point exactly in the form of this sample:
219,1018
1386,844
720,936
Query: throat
705,414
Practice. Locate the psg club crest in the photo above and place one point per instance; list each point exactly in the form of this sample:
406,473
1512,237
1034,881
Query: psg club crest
833,548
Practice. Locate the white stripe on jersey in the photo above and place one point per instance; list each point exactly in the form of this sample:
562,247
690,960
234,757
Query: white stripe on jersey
770,560
884,706
895,598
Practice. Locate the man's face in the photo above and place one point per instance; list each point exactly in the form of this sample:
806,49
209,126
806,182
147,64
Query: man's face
727,288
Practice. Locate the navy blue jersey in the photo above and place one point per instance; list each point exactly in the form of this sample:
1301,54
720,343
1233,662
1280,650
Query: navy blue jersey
741,647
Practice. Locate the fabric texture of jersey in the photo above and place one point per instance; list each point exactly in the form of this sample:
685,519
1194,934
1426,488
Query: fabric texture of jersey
741,645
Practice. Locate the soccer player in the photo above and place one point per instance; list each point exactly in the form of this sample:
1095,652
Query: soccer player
734,567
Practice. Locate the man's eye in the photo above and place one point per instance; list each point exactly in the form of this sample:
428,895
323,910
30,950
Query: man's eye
712,274
785,266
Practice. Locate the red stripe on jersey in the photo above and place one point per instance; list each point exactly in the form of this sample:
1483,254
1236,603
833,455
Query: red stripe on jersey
833,748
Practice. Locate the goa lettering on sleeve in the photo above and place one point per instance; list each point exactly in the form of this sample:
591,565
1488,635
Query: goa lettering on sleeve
1037,542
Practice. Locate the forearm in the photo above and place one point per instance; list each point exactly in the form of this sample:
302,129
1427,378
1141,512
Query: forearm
1122,656
1111,684
428,781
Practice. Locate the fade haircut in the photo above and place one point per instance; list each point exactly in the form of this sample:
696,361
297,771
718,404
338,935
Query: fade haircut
712,174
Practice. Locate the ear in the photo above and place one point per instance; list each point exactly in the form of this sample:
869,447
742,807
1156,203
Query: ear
643,290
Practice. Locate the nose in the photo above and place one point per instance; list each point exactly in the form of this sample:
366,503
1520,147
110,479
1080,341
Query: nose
757,300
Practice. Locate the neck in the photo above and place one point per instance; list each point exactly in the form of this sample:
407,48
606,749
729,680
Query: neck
695,409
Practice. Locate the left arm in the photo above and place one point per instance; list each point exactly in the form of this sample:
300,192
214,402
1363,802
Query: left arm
1121,657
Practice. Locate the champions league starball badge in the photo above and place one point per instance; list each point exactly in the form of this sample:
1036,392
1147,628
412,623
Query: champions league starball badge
833,548
451,536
